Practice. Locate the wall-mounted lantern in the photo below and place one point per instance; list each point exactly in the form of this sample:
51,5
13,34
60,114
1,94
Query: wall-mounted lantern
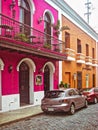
10,68
74,76
40,20
12,5
40,70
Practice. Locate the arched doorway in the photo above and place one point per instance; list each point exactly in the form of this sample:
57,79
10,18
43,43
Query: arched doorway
32,69
48,70
24,83
46,78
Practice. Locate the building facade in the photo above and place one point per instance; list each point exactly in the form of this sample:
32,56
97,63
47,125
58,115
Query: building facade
80,69
29,52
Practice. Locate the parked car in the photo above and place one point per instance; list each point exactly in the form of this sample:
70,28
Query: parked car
68,100
92,95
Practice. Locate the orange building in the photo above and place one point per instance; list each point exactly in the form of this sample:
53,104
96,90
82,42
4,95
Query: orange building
79,70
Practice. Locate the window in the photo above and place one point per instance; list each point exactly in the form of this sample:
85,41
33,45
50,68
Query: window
79,79
87,50
93,53
67,40
96,90
71,93
78,46
24,12
93,80
47,29
25,16
54,94
47,21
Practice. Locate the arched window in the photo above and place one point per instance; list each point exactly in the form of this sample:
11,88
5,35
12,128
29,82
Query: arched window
47,29
24,12
25,16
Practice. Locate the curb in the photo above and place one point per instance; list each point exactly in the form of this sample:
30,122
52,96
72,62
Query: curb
22,118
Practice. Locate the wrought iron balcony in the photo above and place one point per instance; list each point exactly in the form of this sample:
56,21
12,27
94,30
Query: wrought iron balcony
88,60
19,37
80,58
70,54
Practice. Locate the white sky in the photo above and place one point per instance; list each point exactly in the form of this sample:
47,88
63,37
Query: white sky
80,8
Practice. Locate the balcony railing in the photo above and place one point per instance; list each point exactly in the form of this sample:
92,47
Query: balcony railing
88,60
94,62
14,30
70,54
80,58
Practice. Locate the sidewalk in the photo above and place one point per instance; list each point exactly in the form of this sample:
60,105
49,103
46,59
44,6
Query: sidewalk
15,115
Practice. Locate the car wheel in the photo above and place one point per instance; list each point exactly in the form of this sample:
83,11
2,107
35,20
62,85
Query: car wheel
95,100
72,109
86,104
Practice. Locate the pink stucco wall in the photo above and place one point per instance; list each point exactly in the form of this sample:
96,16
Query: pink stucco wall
10,81
40,7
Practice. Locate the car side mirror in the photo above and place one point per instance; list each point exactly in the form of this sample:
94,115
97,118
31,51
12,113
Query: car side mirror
80,93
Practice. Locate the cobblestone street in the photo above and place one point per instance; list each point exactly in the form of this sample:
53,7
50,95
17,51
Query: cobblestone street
84,119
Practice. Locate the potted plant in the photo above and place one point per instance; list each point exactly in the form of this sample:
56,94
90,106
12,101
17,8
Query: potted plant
64,28
47,45
63,85
22,37
58,29
57,26
57,50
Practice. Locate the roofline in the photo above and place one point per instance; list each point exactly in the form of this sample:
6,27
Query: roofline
64,7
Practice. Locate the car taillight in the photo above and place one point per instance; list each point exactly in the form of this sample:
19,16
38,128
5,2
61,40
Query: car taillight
89,95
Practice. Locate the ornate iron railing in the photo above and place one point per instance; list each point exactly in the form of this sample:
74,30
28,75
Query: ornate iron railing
15,30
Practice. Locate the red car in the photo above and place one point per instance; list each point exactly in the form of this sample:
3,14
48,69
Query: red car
92,95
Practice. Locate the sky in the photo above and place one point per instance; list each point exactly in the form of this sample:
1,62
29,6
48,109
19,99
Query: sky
80,7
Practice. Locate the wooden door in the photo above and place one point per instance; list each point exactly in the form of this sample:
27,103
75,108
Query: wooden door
24,83
46,79
79,80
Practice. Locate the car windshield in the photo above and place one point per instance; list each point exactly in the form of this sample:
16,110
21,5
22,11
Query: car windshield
91,90
54,94
87,89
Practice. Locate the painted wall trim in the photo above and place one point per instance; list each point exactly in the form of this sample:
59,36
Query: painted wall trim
30,61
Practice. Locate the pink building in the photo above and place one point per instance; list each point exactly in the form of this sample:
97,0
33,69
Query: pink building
29,52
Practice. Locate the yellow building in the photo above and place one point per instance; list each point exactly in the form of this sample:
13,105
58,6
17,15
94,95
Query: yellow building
79,70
